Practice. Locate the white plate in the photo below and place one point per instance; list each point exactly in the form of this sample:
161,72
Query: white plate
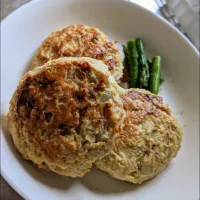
22,33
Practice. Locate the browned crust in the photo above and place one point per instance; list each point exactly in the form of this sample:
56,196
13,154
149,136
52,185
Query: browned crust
80,41
149,139
52,108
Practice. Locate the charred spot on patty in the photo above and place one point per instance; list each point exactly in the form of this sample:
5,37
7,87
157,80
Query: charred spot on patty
64,129
48,116
26,100
80,95
25,103
62,126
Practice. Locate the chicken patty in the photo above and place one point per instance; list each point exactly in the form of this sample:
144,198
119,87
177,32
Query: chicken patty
80,41
65,115
150,138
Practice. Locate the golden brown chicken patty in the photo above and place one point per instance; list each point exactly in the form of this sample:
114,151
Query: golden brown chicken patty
80,41
65,115
149,138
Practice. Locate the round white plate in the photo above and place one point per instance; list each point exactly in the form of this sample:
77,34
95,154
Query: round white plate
22,33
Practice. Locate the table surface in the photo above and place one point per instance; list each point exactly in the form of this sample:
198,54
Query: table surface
7,6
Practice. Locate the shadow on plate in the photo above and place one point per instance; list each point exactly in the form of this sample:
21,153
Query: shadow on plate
96,180
49,179
100,182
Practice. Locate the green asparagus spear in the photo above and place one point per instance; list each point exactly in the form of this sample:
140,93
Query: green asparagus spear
155,75
125,56
143,64
133,63
140,49
161,76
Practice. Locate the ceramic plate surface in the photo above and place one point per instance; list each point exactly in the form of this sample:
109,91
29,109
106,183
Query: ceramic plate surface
21,34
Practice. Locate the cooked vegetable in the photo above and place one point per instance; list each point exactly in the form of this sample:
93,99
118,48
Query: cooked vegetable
155,75
143,72
125,50
143,64
133,63
161,76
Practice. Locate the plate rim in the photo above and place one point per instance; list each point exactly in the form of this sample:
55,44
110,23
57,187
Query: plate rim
31,3
161,19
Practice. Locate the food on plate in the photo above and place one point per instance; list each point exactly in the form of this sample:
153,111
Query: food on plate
133,63
65,115
144,67
155,77
69,112
150,138
80,41
150,64
143,72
